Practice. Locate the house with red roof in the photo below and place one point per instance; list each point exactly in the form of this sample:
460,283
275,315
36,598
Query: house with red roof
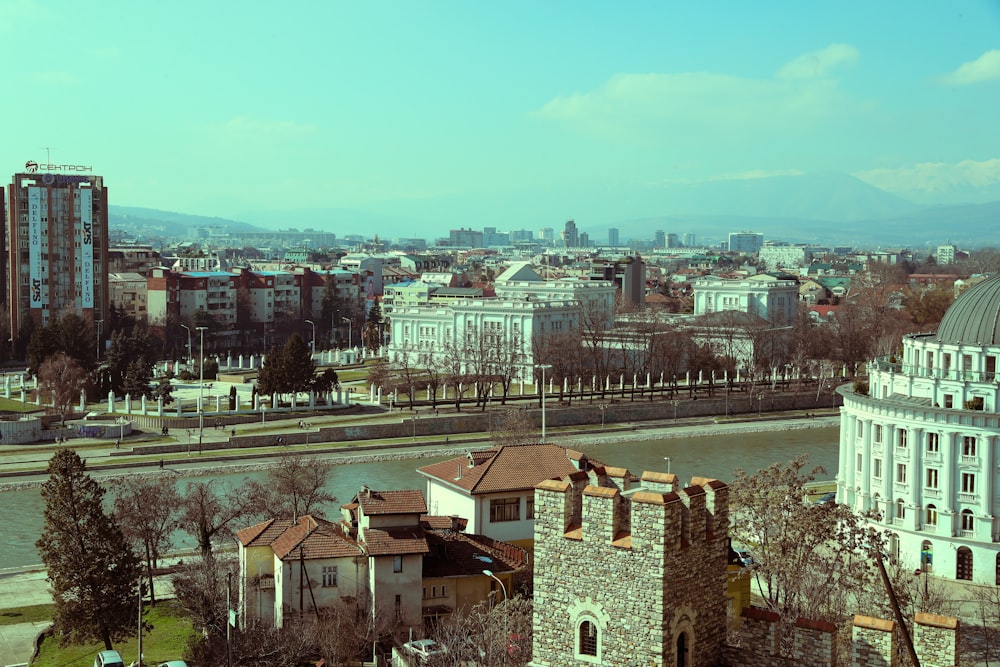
386,556
494,489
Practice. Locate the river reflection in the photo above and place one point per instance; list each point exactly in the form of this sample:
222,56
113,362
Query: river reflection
708,456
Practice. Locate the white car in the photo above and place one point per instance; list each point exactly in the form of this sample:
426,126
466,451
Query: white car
425,649
109,659
173,663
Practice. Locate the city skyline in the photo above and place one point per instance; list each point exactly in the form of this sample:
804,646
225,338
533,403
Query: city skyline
389,109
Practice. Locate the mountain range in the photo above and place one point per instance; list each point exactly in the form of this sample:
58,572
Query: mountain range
828,209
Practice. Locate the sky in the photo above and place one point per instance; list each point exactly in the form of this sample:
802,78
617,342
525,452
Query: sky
234,109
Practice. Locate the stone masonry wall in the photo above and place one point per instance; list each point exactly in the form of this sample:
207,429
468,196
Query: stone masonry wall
630,568
873,642
936,639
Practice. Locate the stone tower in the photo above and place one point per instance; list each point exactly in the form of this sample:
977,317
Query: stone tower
629,577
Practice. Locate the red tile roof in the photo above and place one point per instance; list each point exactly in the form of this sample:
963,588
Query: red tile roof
314,537
391,502
395,541
428,522
511,468
458,554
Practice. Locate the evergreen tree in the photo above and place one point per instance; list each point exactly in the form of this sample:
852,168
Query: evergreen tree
300,367
92,570
371,335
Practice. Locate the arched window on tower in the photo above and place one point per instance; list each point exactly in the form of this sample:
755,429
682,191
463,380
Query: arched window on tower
587,643
931,519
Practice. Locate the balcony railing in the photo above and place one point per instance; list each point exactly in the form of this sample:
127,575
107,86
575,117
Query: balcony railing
969,460
883,364
968,498
932,493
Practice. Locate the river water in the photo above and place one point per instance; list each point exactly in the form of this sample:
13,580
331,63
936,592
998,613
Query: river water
715,456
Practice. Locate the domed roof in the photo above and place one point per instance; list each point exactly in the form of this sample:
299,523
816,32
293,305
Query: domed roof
974,318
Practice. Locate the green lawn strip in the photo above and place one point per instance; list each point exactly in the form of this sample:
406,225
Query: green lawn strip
166,641
32,614
10,405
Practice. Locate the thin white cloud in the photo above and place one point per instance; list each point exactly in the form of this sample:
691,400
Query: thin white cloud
819,63
934,177
984,68
692,106
749,175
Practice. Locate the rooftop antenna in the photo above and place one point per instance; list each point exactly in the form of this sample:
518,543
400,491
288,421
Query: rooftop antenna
48,158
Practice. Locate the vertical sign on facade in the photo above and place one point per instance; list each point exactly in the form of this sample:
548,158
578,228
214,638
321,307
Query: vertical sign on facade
35,246
86,248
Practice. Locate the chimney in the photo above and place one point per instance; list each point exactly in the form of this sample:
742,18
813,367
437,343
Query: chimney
456,525
459,474
472,461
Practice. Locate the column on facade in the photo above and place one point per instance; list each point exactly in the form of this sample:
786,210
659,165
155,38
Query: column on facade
888,471
847,454
866,465
913,436
989,458
946,510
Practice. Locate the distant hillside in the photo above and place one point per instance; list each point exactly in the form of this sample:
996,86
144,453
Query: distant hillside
152,222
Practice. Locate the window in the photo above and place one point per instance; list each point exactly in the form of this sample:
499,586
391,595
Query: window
397,564
968,482
505,509
900,509
968,521
949,400
861,461
933,442
877,468
932,478
968,445
529,507
901,473
859,429
901,438
878,433
588,639
931,516
399,606
329,576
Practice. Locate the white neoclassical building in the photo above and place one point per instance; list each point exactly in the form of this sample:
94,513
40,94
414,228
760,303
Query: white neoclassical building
771,297
921,446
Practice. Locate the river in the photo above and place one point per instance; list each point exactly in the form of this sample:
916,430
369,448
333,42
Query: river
715,456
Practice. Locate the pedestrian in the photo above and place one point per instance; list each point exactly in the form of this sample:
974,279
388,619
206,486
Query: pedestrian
118,443
161,464
234,432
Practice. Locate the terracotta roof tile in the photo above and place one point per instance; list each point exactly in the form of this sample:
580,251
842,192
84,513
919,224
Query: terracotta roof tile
514,468
391,502
428,522
458,554
315,537
395,541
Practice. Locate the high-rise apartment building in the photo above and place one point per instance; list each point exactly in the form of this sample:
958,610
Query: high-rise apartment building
546,234
690,240
747,243
660,239
57,232
613,236
570,235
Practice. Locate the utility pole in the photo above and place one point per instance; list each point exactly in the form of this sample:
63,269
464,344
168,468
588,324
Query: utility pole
229,619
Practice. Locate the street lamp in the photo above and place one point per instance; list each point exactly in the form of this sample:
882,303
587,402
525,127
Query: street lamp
604,406
506,635
350,331
312,344
99,323
668,460
543,368
201,385
184,326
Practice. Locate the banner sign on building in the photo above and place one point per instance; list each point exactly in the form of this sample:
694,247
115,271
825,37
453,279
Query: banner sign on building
86,247
35,247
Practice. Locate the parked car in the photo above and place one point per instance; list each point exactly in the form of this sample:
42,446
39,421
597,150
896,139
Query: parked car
425,649
109,659
827,498
173,663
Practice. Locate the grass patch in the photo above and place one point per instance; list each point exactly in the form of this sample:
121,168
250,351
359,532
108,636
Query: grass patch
33,614
166,641
10,405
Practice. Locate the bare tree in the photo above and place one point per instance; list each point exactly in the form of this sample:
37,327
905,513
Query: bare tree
63,378
810,559
513,427
488,634
208,512
296,486
147,510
